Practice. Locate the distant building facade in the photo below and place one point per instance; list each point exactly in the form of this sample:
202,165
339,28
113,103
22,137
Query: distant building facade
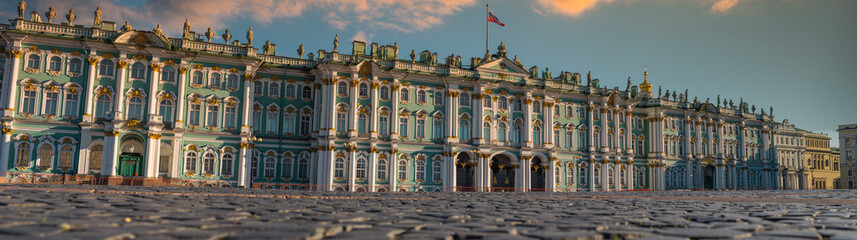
848,155
133,103
823,168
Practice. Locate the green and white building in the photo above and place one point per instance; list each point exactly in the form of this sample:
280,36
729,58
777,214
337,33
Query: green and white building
119,102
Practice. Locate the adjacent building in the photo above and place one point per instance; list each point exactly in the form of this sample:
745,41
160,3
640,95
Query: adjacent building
848,155
823,168
128,103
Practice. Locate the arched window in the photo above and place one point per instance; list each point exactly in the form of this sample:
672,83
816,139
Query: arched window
95,155
403,170
46,156
226,163
197,78
303,169
342,89
503,103
557,176
486,101
383,124
596,179
75,65
557,136
518,105
537,107
190,162
34,61
501,132
421,127
421,96
596,137
385,93
232,82
341,120
103,105
581,139
28,101
166,109
403,126
582,172
438,98
55,64
569,111
360,169
610,140
138,71
610,178
420,171
51,102
486,131
438,127
289,123
272,121
339,168
258,88
22,159
287,168
464,128
363,90
518,131
306,93
537,135
274,90
168,74
214,80
291,91
106,68
135,108
569,138
271,166
382,169
621,141
569,175
464,100
435,170
208,163
404,95
66,156
257,118
556,110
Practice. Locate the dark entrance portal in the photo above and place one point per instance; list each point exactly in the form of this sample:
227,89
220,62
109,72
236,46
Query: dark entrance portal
504,174
464,171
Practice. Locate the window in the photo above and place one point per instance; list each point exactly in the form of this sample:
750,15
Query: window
518,132
421,128
286,172
403,170
342,89
51,102
34,61
501,132
382,169
197,78
166,110
421,96
341,120
291,91
168,74
257,120
596,116
569,111
569,139
383,123
464,129
435,170
596,179
596,139
214,80
518,105
258,88
254,167
363,90
274,90
135,108
106,68
95,153
556,110
289,124
55,64
272,121
208,163
232,82
486,102
226,164
46,156
75,66
420,171
537,135
190,162
361,169
557,136
537,107
610,140
581,113
622,176
581,175
305,118
464,100
103,105
569,174
438,98
385,93
486,131
138,71
438,127
23,156
403,126
404,95
193,116
271,167
610,180
303,169
339,168
213,112
71,103
28,105
503,103
581,139
306,93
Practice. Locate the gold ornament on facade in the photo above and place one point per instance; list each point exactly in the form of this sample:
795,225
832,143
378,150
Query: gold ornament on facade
133,124
183,70
16,53
155,67
122,64
7,131
107,55
111,133
154,136
33,49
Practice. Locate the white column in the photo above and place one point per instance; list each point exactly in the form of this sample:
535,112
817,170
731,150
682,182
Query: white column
372,169
351,165
153,89
394,116
393,169
480,174
244,165
4,148
11,86
352,112
591,169
528,121
590,128
373,113
110,154
476,111
119,105
153,153
181,99
90,86
177,157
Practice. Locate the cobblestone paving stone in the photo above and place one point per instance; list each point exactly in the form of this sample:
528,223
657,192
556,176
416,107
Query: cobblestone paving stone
136,212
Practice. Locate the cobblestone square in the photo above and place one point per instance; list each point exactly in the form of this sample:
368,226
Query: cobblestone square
126,212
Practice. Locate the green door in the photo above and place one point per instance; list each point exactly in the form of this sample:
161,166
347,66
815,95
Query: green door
129,165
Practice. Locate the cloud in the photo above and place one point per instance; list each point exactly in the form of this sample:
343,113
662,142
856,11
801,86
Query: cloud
361,36
401,15
571,8
722,6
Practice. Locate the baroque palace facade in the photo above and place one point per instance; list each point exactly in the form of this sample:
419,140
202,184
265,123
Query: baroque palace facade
119,102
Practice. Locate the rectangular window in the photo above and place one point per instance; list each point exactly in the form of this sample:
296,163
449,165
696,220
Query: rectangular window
403,127
229,117
289,124
257,121
29,103
213,112
438,98
305,125
71,101
421,128
51,101
438,128
272,122
193,116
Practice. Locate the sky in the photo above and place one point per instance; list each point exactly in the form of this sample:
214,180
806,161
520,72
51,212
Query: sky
799,56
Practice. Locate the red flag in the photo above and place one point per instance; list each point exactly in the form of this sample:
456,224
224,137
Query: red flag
494,19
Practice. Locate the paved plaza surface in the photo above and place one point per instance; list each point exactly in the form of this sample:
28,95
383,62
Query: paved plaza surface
136,212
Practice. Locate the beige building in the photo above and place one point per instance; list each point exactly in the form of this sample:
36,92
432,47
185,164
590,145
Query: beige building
823,169
848,155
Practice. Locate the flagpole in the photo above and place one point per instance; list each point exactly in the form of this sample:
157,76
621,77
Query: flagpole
486,29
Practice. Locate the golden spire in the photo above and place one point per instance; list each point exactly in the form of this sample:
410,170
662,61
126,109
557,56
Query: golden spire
645,86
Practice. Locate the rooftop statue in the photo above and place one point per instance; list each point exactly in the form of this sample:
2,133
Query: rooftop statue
22,7
718,100
674,98
517,61
685,95
659,91
70,17
186,29
236,43
754,109
301,51
126,27
209,34
413,56
226,36
157,30
35,17
395,50
335,43
250,37
96,22
628,86
50,14
772,111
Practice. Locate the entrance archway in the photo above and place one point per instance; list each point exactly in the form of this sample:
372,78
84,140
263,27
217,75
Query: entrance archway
537,175
464,173
708,176
131,156
503,172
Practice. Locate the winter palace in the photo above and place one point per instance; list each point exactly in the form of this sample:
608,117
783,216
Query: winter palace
113,101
